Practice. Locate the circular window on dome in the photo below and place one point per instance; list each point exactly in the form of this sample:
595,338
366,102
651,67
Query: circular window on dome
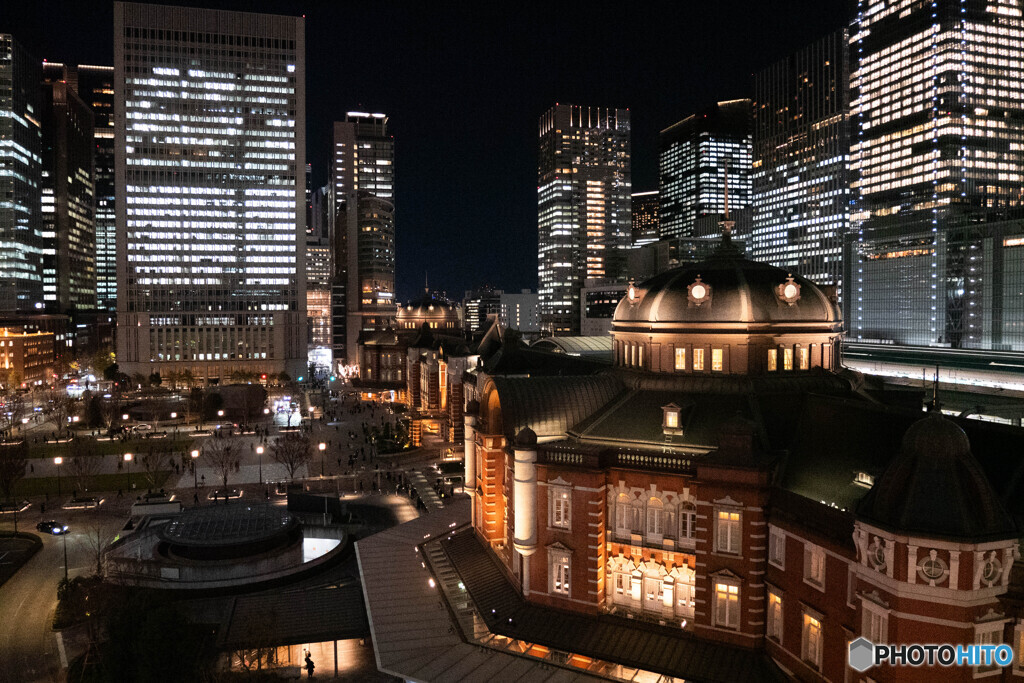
789,291
698,292
932,568
876,554
991,570
632,295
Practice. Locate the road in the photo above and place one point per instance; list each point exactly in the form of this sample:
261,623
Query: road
29,650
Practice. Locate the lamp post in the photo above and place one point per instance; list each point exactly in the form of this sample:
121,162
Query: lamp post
128,459
195,470
322,447
259,452
58,461
65,535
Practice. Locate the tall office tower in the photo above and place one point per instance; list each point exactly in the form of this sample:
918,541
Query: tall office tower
801,168
319,272
21,143
95,86
68,201
363,197
479,305
210,133
692,163
938,155
584,183
645,218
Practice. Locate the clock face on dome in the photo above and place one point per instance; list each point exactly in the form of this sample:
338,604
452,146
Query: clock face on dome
698,292
788,291
631,293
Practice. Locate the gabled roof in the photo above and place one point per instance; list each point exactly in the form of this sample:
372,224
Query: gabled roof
550,405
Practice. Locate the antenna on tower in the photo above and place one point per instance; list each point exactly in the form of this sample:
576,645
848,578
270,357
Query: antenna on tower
426,282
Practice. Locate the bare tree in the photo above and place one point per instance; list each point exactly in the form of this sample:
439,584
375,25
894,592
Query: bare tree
58,409
292,451
110,411
153,463
97,538
221,455
259,635
84,467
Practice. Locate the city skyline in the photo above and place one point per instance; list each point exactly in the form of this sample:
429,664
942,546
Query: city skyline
448,103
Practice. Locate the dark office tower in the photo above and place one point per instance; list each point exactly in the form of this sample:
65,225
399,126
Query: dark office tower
692,166
938,155
21,143
95,86
68,201
801,188
210,144
319,273
583,207
363,197
645,218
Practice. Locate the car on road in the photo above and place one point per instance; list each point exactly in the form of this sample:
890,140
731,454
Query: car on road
52,527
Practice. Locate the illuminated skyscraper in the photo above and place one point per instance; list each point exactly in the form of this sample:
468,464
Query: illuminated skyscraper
645,217
938,155
68,201
363,197
801,168
210,176
692,167
583,207
21,142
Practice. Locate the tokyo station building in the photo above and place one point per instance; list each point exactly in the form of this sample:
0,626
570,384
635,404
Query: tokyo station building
727,484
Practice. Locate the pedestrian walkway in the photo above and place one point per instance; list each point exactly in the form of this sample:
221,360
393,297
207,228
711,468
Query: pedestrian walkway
425,489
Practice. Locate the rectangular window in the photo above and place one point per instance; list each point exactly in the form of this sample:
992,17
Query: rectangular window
680,359
787,359
716,360
560,573
876,623
672,419
773,360
811,646
560,504
814,565
988,634
777,547
687,521
621,582
774,625
805,358
727,605
728,532
698,360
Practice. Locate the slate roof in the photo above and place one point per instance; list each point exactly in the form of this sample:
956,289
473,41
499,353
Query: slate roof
550,405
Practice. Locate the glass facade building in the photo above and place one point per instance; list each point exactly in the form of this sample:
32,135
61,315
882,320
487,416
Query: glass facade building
937,157
362,191
584,216
692,162
210,163
21,167
801,167
645,218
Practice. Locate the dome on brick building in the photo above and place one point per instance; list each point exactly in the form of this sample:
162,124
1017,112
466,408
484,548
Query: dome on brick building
725,288
936,488
438,314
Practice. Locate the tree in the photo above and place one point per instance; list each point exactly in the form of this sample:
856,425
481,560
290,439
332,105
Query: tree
13,463
292,451
155,379
83,467
97,538
153,463
211,404
12,412
222,457
58,409
111,372
102,361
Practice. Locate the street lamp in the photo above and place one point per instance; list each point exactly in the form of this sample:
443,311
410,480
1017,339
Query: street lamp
124,416
259,452
195,470
322,447
58,461
220,413
128,459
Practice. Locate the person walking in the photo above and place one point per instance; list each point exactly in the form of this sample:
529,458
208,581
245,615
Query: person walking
309,666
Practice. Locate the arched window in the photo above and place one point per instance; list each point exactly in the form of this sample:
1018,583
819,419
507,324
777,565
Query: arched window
637,521
654,516
687,521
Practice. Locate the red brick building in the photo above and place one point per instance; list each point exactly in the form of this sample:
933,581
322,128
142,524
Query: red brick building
726,480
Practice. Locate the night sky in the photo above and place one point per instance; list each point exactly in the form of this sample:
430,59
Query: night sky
464,84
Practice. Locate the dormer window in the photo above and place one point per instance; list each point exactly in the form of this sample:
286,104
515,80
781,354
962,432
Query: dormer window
864,479
670,423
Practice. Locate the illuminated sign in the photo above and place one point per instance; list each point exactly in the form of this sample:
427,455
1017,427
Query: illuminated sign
347,371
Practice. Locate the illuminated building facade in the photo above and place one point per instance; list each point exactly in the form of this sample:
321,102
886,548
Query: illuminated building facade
26,358
801,186
21,223
584,184
645,218
362,192
68,200
210,147
520,311
692,162
319,271
937,158
480,305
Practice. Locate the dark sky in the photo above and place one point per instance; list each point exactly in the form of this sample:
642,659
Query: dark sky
464,84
